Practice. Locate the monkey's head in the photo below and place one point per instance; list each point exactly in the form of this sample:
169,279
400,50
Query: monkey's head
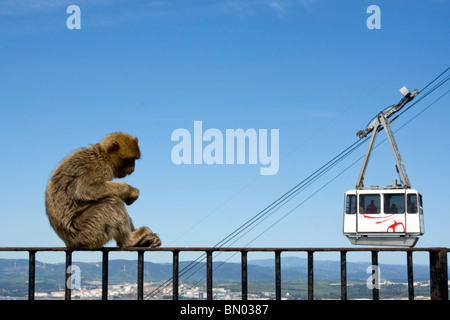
122,150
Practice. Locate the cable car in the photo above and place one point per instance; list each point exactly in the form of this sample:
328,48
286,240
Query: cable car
391,215
383,216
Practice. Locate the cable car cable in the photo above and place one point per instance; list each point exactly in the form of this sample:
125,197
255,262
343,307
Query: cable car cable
352,164
269,210
435,79
304,184
326,184
424,95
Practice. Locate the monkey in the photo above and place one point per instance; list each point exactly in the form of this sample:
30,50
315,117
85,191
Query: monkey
85,207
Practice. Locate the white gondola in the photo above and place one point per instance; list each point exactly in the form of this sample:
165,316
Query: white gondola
383,216
392,215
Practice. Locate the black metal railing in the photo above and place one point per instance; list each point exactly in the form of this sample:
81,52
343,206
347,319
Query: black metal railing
437,256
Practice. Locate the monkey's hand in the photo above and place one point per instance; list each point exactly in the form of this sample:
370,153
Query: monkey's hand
132,197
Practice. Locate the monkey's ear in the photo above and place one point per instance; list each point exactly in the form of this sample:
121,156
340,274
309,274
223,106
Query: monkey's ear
113,147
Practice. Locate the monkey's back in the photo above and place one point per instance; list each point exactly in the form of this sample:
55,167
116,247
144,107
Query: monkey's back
61,204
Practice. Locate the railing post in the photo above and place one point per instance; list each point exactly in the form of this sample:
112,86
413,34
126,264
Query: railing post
310,275
343,275
209,276
375,290
409,263
277,275
438,274
175,275
244,275
31,274
140,276
68,292
105,274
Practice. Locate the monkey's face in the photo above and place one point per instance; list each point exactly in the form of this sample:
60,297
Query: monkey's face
126,168
122,150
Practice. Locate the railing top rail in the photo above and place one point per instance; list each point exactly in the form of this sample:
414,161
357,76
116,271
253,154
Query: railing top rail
222,249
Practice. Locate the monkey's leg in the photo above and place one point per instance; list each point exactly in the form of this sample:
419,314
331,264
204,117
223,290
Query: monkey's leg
106,220
98,224
127,236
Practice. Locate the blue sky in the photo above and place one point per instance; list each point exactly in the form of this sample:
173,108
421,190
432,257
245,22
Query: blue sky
311,69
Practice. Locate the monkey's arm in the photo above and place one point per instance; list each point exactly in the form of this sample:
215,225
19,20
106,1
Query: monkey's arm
95,190
89,178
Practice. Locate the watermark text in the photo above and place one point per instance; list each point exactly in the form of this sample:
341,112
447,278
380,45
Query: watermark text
230,148
74,20
374,20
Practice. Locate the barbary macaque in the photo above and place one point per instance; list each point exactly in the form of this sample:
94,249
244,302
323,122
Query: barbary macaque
85,207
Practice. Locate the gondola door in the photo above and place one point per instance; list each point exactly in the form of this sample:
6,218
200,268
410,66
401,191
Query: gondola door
381,213
414,217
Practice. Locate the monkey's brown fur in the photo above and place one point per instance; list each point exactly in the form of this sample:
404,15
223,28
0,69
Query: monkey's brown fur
85,207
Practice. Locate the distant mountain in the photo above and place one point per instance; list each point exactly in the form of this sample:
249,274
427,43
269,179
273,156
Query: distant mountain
14,272
293,268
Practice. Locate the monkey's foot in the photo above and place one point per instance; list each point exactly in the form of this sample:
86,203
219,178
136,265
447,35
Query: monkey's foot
151,240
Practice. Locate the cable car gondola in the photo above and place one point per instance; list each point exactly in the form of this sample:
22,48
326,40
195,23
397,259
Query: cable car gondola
391,215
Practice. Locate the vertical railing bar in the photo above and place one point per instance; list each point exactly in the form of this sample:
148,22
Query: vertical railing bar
175,275
310,275
343,275
140,276
375,290
438,274
209,276
409,261
105,271
31,274
278,275
67,290
244,275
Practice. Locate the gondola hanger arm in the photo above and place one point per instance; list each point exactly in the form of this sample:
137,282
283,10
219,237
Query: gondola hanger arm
377,124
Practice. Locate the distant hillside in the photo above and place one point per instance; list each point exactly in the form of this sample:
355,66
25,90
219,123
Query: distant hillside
14,272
